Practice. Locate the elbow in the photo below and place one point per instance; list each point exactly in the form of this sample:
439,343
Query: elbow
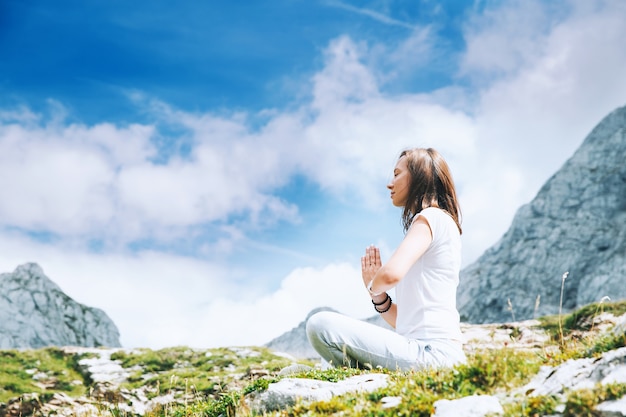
388,277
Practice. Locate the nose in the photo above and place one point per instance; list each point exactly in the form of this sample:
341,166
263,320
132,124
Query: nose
390,185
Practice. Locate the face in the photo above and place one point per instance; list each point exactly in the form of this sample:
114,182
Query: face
399,185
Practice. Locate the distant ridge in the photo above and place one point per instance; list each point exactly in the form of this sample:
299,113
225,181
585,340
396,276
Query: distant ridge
35,313
575,224
294,341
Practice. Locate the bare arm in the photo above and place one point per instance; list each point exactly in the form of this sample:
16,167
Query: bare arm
384,277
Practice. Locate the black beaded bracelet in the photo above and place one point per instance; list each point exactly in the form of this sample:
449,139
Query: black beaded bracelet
382,302
386,309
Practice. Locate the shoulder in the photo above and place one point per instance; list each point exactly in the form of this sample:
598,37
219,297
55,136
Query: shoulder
438,219
433,213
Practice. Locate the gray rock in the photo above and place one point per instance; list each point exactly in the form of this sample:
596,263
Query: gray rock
294,369
100,367
288,391
620,326
612,408
472,406
576,223
35,312
576,374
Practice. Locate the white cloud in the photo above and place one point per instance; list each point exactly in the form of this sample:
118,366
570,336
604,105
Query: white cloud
376,15
59,178
254,319
533,84
159,300
503,39
154,298
565,76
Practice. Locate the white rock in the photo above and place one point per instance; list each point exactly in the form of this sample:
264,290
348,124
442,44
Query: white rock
287,391
390,402
472,406
612,408
579,374
102,369
620,326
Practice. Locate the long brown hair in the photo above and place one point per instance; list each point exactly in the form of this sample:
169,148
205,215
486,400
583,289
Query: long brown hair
431,185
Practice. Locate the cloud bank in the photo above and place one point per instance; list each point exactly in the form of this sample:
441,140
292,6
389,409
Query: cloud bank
102,206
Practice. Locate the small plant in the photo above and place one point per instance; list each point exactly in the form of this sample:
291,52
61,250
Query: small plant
510,308
332,374
537,302
531,406
600,309
563,278
579,319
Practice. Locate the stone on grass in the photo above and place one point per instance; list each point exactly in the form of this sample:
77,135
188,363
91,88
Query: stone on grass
286,392
472,406
612,408
579,374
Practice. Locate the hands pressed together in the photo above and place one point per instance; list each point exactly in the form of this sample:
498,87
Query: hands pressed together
370,264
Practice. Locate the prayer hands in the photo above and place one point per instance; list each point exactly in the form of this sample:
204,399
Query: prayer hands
370,264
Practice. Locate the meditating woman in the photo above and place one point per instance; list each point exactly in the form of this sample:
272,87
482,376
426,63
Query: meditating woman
424,270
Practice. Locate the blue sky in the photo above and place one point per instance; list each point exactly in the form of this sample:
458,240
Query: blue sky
209,172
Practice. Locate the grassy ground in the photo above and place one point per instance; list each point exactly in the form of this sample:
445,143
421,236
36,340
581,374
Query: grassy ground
43,371
212,383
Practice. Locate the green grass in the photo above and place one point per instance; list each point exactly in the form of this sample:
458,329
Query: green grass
486,372
581,319
206,374
577,328
42,371
581,403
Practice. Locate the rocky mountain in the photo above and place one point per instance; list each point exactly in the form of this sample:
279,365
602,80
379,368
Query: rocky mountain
575,224
35,312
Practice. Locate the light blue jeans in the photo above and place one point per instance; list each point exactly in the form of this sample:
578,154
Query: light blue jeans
345,341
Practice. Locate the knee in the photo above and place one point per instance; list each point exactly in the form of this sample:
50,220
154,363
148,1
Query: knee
318,323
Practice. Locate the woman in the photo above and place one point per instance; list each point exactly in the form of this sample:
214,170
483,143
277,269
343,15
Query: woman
424,270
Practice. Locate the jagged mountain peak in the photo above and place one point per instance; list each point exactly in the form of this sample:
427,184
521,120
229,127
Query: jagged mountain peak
35,312
576,224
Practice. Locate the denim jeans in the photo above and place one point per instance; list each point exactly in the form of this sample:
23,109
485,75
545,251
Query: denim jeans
345,341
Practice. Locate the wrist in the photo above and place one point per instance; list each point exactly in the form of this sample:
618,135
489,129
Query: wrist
383,306
369,289
379,299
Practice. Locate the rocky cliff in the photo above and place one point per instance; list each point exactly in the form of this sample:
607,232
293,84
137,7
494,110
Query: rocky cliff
575,224
35,312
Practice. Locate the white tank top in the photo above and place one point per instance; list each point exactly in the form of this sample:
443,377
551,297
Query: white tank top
426,296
